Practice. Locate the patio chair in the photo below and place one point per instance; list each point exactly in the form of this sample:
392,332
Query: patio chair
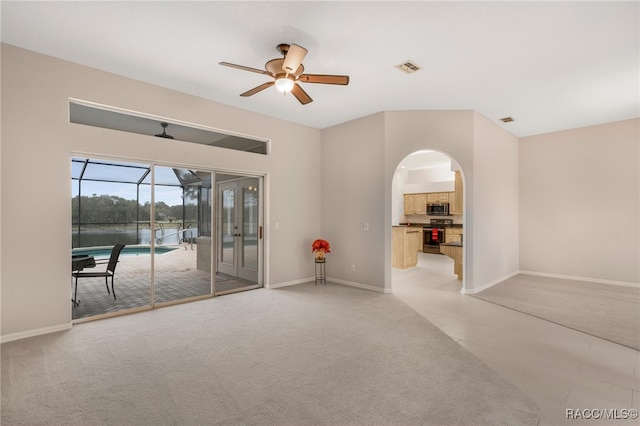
110,272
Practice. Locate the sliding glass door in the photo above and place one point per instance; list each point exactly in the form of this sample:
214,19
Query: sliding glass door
110,205
182,234
176,248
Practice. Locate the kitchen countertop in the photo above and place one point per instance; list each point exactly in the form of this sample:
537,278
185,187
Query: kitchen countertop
420,225
453,244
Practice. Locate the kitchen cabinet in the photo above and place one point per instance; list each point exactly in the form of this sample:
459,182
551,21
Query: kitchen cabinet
409,204
405,243
420,236
455,202
452,235
415,203
438,197
421,203
454,251
452,203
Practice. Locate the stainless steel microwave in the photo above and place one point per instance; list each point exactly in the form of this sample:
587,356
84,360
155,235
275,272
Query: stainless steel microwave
438,209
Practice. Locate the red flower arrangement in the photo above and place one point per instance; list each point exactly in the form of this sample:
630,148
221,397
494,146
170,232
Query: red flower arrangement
321,246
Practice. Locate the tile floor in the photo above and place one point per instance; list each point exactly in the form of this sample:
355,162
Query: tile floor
559,368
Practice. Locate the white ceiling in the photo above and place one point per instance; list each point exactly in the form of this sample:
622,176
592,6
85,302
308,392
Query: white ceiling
549,65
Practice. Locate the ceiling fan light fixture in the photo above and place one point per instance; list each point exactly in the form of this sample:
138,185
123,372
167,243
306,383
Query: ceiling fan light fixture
284,84
285,74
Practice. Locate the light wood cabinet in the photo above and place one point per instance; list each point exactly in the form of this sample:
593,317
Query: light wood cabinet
452,235
419,236
454,252
405,244
438,197
415,203
452,203
409,204
455,203
421,203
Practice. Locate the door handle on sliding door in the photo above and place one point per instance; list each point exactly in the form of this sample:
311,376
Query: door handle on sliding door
259,232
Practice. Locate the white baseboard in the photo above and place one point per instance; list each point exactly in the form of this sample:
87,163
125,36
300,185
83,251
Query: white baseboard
288,283
329,279
359,285
587,279
487,285
37,332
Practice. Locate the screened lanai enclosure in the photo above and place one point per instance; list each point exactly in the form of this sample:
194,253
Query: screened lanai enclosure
164,216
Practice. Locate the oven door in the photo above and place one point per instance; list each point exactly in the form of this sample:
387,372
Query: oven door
433,237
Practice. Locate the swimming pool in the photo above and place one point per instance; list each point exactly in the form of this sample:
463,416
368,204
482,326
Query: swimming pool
100,252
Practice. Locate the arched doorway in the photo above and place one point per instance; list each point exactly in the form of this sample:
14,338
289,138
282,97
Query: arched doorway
427,201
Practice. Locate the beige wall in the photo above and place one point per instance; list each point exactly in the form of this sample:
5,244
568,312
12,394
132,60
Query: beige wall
353,155
495,203
352,195
325,183
37,145
580,203
487,156
450,132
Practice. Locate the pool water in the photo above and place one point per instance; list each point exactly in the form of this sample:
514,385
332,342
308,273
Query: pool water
100,252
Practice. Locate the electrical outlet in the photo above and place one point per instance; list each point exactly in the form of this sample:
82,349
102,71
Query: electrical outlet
353,268
366,226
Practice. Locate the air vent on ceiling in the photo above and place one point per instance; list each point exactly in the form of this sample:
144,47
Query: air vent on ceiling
507,119
408,67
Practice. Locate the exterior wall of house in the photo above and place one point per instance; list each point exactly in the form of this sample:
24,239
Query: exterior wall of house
38,142
580,203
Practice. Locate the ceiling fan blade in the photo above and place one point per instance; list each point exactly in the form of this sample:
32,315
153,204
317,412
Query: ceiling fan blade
242,67
324,79
300,94
258,89
293,58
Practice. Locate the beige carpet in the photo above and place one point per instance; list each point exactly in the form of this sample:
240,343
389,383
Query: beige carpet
610,312
301,355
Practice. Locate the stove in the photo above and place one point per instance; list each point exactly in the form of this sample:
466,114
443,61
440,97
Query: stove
440,223
434,235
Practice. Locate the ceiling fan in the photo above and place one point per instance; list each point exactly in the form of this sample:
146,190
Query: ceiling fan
287,72
164,131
